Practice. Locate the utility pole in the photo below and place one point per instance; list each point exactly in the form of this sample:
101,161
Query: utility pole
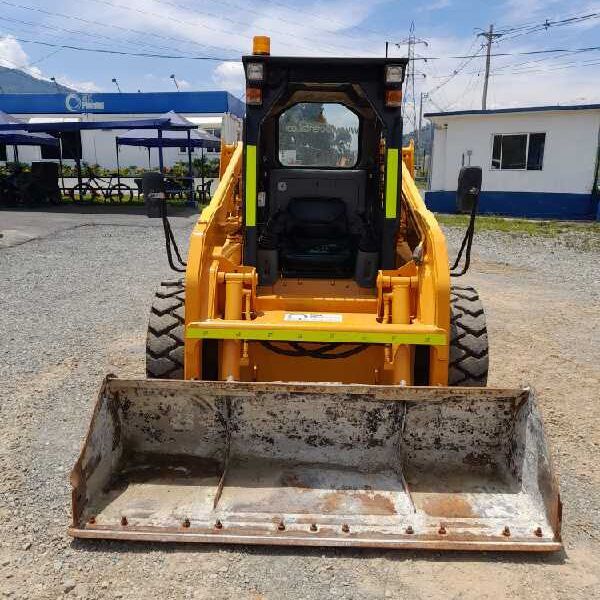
411,42
489,36
423,95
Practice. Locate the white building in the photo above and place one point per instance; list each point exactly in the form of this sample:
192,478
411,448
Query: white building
219,113
537,162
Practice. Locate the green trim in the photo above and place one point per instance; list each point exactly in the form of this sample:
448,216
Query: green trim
391,183
250,184
292,335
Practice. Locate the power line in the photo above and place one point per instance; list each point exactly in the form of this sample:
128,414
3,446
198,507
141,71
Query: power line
262,13
547,24
527,53
333,20
571,19
205,14
123,53
87,34
116,27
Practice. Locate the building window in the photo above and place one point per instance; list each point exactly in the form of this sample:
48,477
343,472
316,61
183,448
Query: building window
3,152
523,151
184,150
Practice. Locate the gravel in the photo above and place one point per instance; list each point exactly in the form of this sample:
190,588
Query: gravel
74,306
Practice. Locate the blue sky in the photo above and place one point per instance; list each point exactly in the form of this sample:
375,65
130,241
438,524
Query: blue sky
224,28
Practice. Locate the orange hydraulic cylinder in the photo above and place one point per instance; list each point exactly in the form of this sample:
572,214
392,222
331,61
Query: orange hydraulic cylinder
231,352
402,354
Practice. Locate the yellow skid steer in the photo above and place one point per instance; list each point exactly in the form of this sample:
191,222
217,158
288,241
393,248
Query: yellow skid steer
313,377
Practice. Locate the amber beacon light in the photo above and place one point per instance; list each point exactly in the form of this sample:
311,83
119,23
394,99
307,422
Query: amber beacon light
261,45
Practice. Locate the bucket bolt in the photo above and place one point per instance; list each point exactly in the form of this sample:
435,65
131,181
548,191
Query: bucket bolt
538,532
281,525
345,528
506,531
313,527
218,524
442,530
91,520
409,530
124,521
186,523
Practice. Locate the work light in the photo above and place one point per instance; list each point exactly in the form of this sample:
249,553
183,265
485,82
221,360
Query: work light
394,74
255,72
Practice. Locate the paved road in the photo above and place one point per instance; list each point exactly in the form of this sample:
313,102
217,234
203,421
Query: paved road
20,226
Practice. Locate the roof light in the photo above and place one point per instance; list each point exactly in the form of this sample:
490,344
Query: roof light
394,74
255,72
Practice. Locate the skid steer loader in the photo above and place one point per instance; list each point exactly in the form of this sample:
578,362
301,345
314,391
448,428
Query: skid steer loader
314,379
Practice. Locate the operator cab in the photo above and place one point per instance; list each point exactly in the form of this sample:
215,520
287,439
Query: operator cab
322,176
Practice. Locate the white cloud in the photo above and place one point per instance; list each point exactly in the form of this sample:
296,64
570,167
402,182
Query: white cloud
164,83
229,76
440,4
13,56
80,86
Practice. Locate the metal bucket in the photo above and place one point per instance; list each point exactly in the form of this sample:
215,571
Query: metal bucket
316,465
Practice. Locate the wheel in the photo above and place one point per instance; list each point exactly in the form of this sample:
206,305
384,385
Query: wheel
469,354
78,193
120,192
165,338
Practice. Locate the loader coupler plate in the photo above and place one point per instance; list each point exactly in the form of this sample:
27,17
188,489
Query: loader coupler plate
317,465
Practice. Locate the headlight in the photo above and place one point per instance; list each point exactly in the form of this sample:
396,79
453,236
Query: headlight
255,71
394,73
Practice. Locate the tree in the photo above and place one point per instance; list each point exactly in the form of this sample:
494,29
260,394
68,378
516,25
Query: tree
307,138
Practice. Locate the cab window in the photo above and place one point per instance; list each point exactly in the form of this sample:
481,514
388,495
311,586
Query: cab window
316,134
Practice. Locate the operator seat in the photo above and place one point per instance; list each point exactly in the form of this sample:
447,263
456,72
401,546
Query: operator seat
316,239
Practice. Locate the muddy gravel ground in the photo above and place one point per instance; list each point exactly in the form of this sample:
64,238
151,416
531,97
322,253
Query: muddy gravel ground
74,305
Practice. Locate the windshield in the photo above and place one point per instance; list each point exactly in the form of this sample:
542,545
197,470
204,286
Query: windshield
316,134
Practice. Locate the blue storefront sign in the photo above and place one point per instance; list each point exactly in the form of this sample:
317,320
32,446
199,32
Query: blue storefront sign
126,103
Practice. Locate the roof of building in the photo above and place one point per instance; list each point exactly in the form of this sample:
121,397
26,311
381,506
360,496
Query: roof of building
523,109
126,103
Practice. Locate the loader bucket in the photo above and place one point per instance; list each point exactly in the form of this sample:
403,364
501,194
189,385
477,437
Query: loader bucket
316,465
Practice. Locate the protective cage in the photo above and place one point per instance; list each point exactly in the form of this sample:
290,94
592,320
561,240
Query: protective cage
318,465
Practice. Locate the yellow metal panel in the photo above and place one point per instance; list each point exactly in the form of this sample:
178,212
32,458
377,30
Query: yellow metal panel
250,184
307,335
391,184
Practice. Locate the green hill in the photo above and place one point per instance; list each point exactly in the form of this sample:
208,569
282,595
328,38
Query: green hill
14,81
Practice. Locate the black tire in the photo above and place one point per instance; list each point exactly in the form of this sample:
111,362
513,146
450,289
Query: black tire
119,193
469,353
78,193
165,338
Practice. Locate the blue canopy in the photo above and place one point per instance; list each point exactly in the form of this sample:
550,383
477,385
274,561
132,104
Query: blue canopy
168,121
20,137
148,138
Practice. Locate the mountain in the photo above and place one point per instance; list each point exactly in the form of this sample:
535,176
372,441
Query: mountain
14,81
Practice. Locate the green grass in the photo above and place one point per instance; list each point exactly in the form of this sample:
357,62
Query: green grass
584,236
527,226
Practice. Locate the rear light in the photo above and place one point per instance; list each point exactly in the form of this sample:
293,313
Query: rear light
253,96
255,72
394,74
393,98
